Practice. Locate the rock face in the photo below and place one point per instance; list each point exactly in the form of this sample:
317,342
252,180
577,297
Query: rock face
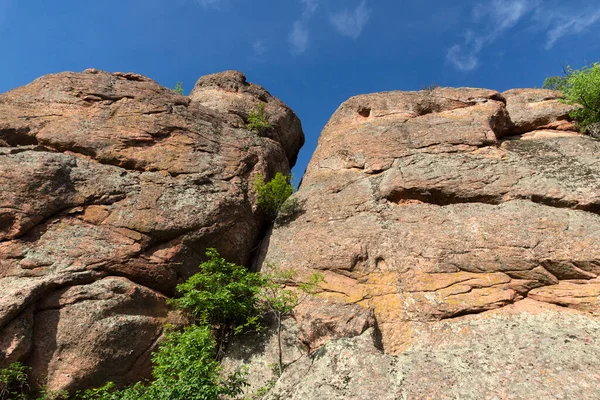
462,219
111,189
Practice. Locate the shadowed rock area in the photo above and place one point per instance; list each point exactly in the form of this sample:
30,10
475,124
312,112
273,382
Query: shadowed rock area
467,222
111,189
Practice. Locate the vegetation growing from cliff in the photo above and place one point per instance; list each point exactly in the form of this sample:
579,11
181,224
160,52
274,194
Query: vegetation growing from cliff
13,382
272,196
220,300
178,88
221,295
580,87
279,301
257,121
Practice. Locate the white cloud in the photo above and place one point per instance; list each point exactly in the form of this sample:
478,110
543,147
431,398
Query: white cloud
210,3
461,59
570,25
351,23
497,16
259,48
493,18
299,37
310,6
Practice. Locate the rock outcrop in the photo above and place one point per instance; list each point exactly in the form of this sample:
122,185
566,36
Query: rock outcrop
111,189
462,219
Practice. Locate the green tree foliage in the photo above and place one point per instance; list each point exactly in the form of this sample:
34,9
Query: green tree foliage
222,295
13,382
272,195
178,88
258,122
221,299
281,295
185,368
581,87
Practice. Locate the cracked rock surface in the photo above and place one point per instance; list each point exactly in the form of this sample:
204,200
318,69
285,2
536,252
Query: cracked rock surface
453,210
111,189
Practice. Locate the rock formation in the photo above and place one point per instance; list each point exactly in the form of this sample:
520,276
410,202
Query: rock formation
111,189
467,222
458,231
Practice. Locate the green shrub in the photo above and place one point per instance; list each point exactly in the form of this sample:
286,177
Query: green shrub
257,121
13,381
178,88
581,87
222,295
185,368
272,195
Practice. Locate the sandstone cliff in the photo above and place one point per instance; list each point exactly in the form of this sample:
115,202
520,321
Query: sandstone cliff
458,231
111,188
466,222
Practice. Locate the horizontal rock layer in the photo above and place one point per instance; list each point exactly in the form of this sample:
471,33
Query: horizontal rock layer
426,207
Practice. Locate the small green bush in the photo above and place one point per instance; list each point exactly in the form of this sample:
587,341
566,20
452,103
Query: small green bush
178,88
13,381
272,195
581,87
258,122
222,295
185,368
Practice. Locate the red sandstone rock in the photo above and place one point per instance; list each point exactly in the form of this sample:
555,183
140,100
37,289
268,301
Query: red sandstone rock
111,189
428,207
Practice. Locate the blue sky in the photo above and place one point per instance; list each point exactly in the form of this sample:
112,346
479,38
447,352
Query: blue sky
313,54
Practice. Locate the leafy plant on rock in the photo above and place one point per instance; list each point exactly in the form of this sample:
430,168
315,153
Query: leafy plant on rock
580,87
272,195
13,381
178,88
221,295
257,121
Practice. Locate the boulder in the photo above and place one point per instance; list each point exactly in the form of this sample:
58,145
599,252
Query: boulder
111,189
532,109
440,211
229,92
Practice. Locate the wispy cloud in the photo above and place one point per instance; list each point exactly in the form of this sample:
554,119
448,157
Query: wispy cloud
570,25
310,7
351,23
299,37
259,48
210,3
500,15
492,19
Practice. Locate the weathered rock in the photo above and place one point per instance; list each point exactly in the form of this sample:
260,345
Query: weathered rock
529,350
531,109
257,353
230,92
76,331
112,175
423,207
